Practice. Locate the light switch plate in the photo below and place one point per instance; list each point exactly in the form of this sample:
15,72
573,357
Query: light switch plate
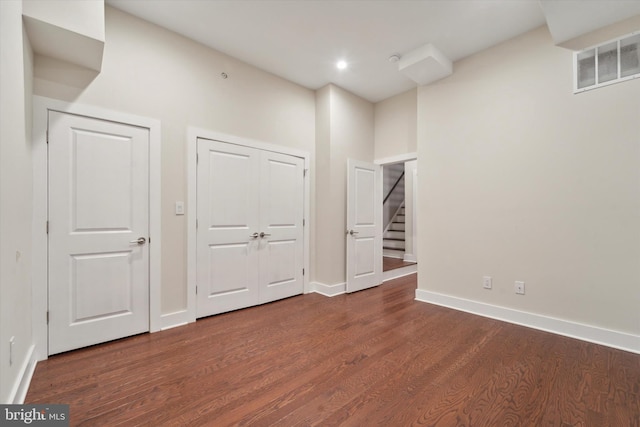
179,208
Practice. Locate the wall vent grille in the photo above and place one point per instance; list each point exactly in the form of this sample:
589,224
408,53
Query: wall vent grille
611,62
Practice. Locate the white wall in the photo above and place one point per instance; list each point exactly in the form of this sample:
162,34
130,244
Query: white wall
16,201
150,71
324,217
84,17
396,125
520,179
345,130
69,30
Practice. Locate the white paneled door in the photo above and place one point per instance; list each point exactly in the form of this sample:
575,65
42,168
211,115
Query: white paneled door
98,231
281,213
228,218
249,226
364,225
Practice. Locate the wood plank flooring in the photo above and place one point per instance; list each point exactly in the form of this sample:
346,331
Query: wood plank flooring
390,263
372,358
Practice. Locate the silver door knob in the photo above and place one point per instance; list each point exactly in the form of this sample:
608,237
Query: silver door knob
263,234
254,236
139,240
351,232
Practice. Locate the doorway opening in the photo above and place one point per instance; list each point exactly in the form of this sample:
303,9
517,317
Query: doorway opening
399,241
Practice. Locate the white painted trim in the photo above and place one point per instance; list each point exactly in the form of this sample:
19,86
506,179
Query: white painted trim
400,158
328,290
193,133
392,253
39,247
21,386
192,152
175,319
411,252
155,226
607,337
41,107
399,272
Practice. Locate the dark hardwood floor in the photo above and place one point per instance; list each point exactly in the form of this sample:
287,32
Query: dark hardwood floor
372,358
389,263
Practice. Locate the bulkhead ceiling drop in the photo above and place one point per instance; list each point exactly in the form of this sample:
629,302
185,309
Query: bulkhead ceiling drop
425,65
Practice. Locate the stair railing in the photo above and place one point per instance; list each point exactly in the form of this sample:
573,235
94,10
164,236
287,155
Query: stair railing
393,188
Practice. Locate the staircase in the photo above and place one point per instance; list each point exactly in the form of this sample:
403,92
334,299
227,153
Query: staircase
393,238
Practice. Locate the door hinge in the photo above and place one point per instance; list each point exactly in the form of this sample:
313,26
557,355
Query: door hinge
47,227
196,289
303,222
47,317
303,271
304,172
196,222
149,239
197,158
47,136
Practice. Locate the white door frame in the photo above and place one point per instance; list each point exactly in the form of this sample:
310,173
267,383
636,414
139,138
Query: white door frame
193,133
41,108
402,158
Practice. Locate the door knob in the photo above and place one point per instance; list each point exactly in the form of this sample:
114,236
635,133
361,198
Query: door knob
351,232
263,234
254,236
139,240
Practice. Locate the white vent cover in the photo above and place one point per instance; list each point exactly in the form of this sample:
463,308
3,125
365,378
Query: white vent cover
611,62
425,65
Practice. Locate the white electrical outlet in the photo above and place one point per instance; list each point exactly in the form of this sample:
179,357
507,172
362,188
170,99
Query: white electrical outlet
519,287
486,282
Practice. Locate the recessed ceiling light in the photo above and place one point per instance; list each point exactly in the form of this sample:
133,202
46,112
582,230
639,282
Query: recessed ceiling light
341,65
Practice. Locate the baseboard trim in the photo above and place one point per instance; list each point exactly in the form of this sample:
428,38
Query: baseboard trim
399,272
175,319
392,253
328,290
593,334
21,386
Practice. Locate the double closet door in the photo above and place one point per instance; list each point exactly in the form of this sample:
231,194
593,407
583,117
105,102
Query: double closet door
250,208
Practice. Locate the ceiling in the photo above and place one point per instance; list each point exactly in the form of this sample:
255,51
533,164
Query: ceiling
301,40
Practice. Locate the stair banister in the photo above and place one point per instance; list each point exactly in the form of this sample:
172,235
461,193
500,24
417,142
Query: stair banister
393,188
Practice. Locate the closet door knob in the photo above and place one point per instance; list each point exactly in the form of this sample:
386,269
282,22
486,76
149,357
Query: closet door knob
254,236
263,234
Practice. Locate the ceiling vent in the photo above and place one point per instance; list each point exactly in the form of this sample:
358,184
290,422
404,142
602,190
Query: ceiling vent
425,65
